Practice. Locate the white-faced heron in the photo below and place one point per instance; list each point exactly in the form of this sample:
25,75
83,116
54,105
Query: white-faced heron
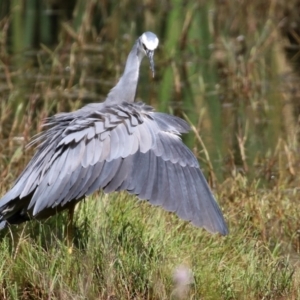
115,145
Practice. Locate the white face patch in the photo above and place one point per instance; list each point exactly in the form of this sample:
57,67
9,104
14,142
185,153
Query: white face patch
150,41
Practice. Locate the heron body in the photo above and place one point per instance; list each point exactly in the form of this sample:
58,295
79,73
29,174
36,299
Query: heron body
115,145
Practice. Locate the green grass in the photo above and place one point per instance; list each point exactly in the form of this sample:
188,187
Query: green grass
131,250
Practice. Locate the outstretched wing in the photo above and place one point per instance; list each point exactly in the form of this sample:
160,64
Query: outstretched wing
125,147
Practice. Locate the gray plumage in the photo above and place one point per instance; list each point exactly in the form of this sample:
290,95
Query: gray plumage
115,145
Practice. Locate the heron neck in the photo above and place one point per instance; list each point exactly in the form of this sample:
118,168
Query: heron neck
125,89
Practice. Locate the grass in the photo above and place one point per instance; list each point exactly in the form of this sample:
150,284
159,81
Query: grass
130,250
230,67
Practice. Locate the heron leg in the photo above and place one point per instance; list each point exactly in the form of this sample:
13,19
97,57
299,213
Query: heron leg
70,229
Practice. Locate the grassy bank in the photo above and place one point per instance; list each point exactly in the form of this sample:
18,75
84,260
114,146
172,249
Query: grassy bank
130,250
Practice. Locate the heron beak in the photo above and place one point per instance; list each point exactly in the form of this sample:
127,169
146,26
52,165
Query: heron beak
150,55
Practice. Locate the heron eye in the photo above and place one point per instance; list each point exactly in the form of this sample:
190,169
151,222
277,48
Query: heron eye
145,48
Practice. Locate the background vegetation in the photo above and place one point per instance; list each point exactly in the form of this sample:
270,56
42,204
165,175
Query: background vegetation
231,68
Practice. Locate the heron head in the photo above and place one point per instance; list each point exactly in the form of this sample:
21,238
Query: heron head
148,43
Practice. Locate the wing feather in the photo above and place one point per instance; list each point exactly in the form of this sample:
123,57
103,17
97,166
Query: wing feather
109,170
125,147
163,187
149,184
99,127
213,217
94,173
139,172
77,186
120,176
54,171
94,184
97,150
106,147
88,154
130,129
145,139
183,206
